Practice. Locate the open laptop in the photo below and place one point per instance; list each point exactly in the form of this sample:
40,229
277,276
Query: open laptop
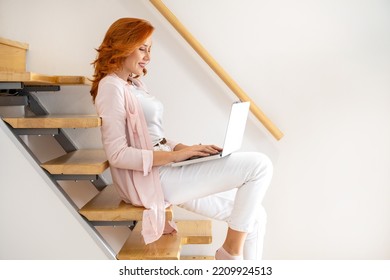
233,137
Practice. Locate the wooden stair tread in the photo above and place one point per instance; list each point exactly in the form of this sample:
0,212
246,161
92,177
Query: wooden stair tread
13,43
168,246
12,55
195,231
31,78
80,162
108,206
55,121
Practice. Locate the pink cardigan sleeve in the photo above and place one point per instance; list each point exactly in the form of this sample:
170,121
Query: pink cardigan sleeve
110,105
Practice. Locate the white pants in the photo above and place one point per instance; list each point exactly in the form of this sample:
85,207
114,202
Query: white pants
229,189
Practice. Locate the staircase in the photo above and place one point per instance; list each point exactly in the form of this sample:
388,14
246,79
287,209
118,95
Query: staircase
106,208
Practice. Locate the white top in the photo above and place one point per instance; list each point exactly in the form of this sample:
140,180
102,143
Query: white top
153,111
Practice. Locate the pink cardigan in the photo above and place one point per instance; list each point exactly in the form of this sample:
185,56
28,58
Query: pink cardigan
129,150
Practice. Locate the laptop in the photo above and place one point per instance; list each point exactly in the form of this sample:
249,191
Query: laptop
233,137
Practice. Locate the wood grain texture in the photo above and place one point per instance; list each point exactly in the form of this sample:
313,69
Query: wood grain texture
12,55
80,162
12,43
55,121
31,78
108,206
168,246
195,231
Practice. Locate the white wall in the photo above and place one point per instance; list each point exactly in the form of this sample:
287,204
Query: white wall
318,69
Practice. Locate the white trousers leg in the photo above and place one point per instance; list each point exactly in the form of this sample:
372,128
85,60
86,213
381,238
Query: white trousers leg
229,189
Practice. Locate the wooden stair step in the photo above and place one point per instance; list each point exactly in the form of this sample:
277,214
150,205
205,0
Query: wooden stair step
55,121
168,246
31,78
79,162
12,55
107,206
195,231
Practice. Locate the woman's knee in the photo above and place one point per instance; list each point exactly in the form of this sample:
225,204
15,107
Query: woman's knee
261,172
262,164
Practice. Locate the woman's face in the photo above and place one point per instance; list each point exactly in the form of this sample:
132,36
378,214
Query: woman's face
137,60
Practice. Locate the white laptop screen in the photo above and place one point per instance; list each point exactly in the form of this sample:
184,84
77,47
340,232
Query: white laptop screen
235,129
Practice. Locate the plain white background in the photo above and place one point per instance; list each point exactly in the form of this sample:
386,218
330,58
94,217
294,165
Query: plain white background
318,69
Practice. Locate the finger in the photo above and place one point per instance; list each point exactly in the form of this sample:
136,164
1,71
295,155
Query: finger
201,154
217,148
209,149
213,149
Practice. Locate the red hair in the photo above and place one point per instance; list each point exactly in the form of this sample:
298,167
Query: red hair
121,39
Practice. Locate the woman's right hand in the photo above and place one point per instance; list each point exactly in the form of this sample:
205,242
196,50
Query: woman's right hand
200,150
183,152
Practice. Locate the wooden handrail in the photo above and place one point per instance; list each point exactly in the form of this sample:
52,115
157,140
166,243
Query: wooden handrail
216,67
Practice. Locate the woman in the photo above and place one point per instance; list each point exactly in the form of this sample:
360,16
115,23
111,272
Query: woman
229,189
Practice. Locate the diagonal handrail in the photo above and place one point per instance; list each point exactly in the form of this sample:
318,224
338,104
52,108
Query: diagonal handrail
216,67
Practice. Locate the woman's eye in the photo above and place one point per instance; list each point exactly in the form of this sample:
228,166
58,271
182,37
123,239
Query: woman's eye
144,50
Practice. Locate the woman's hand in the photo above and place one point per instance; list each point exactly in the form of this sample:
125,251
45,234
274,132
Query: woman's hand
183,152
